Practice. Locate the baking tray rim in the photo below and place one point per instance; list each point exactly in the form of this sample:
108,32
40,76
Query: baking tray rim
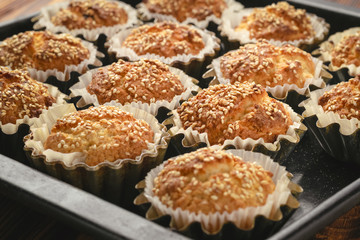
321,215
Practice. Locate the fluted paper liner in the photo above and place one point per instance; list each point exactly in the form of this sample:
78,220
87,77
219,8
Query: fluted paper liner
327,47
338,136
11,128
187,82
243,218
277,150
42,76
113,181
46,13
231,19
146,15
182,61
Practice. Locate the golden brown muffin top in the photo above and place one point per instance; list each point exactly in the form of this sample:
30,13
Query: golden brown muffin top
279,21
42,51
21,96
165,39
227,111
181,10
104,133
144,81
347,51
268,65
90,14
210,181
343,99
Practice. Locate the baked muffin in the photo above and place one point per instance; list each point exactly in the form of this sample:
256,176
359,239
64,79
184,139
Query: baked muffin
104,133
21,96
241,110
181,10
42,51
343,99
90,14
211,181
342,50
166,39
333,116
280,21
88,18
268,65
215,187
145,81
347,51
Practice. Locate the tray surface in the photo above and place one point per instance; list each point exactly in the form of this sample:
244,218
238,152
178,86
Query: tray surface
330,187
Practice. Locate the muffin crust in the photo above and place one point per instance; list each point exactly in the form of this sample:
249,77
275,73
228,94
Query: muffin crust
21,96
90,14
210,181
165,39
227,111
181,10
279,21
42,50
145,81
104,133
343,99
268,65
347,51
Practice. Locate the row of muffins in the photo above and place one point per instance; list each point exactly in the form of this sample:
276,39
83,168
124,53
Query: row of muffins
256,87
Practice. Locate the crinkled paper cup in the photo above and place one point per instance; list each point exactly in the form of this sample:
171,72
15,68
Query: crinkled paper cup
291,94
327,47
187,82
278,150
231,19
11,135
193,65
146,15
337,136
244,223
113,181
46,13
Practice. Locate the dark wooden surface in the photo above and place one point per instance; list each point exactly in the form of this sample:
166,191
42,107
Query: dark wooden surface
18,221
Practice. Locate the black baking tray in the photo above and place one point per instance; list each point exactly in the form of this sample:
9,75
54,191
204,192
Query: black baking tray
330,187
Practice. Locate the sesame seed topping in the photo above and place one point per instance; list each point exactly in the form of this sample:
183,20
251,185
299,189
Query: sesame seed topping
21,96
139,81
279,21
223,184
174,39
242,109
106,129
90,14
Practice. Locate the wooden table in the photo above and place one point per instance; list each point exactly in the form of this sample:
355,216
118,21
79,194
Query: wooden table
20,222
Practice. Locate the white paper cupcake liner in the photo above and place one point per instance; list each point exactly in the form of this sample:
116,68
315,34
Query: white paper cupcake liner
11,128
281,91
44,20
339,137
327,47
231,19
347,127
187,82
243,218
42,76
210,41
40,130
146,15
193,136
